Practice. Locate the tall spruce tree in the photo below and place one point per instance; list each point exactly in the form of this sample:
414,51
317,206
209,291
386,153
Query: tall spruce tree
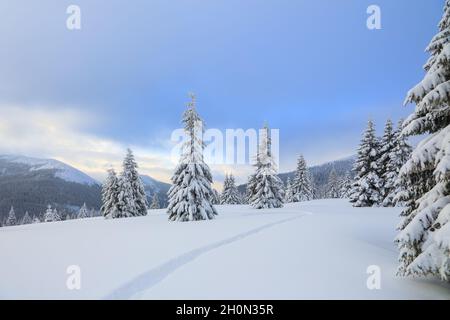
385,169
230,193
366,189
131,174
191,195
131,198
394,188
267,188
302,189
126,205
110,195
423,238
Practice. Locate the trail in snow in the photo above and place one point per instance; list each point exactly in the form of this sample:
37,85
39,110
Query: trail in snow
154,276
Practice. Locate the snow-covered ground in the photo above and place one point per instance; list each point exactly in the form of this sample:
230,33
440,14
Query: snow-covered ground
311,250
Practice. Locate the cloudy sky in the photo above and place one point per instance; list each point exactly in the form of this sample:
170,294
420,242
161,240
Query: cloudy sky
312,69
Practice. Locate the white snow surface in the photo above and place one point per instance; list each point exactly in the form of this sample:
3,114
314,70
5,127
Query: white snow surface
63,171
309,250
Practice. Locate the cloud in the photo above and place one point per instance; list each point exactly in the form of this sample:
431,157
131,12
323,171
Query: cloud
63,134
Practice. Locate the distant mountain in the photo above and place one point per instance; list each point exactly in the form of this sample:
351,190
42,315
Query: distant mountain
152,185
320,173
30,184
59,169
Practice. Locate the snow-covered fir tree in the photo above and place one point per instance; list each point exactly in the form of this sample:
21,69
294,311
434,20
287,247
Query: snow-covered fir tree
131,197
215,197
11,220
126,207
267,188
83,213
250,189
366,189
385,169
333,185
345,186
51,215
155,202
93,213
288,196
302,189
191,195
230,193
243,197
110,195
26,219
424,237
398,157
36,219
56,215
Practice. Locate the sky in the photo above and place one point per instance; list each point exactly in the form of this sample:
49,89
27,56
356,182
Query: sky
311,69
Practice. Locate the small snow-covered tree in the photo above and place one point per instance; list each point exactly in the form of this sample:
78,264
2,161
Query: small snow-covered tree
215,197
302,189
345,186
155,202
126,206
333,185
110,195
26,219
191,195
423,238
132,176
11,220
51,215
230,193
366,189
243,198
267,188
395,189
56,215
385,168
36,219
131,197
83,213
250,189
288,195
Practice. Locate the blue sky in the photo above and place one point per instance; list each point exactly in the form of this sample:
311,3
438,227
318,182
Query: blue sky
310,68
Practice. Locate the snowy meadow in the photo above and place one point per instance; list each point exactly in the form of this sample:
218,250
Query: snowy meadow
113,187
320,249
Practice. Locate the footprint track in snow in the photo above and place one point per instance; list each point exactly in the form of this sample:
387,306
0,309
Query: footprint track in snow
154,276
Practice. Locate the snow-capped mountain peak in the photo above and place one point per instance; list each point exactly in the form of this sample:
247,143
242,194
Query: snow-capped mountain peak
62,170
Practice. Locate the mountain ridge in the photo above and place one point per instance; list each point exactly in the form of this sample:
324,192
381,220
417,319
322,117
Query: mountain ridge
30,184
